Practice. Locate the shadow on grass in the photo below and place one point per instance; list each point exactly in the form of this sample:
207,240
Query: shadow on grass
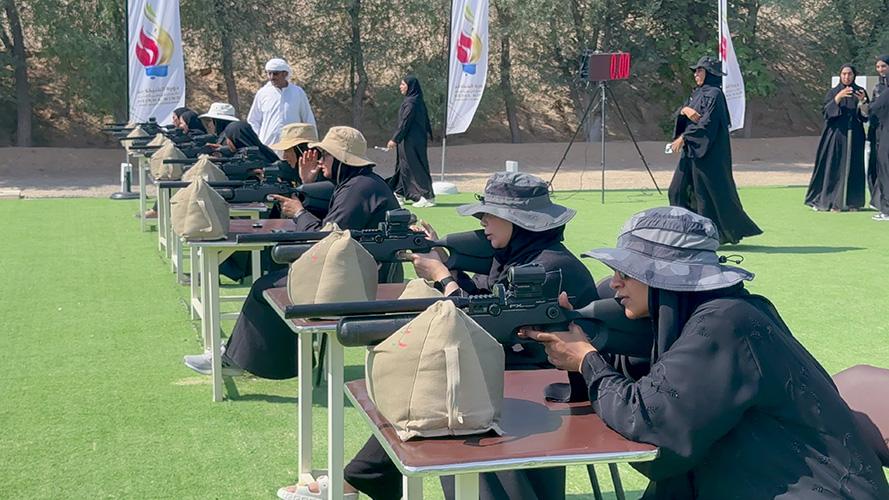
788,249
605,495
350,373
231,393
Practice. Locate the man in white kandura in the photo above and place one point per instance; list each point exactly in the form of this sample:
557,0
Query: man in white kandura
278,103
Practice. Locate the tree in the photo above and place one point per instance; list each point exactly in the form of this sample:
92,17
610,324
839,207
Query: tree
510,101
15,43
356,57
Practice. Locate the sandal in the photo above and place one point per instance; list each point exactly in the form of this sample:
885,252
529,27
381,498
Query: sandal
302,492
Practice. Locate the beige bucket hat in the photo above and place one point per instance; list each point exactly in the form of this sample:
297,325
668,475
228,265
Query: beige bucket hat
221,111
295,134
346,144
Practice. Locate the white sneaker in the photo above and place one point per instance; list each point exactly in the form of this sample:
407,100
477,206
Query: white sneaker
424,203
881,217
400,200
203,363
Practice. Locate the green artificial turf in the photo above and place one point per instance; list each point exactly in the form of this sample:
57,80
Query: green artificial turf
96,403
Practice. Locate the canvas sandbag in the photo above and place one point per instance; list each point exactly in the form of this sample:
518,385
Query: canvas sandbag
198,212
163,171
439,375
204,169
419,289
136,132
336,269
159,140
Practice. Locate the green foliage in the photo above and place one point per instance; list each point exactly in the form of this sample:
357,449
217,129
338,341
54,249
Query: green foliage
77,52
85,44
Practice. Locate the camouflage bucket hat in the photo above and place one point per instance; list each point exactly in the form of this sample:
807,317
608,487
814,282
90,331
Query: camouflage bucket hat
522,199
672,249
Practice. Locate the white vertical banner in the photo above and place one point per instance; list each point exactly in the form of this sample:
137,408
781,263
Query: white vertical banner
469,62
156,72
733,81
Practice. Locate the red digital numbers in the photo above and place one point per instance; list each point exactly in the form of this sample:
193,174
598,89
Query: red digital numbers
608,67
620,66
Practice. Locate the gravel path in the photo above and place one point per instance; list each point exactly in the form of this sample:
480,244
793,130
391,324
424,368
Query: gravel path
69,172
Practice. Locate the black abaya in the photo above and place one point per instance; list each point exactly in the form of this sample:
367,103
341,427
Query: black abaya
411,178
837,181
737,406
703,182
879,119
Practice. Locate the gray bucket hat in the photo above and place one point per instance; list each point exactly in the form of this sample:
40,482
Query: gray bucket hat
521,199
673,249
710,64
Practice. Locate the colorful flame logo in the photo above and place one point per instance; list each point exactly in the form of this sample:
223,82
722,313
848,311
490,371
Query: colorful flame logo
155,48
469,44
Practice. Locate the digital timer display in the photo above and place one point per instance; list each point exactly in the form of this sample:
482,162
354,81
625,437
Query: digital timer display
608,67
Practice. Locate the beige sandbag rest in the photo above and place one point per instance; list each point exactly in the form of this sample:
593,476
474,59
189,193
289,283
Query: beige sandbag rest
439,375
164,171
336,269
198,212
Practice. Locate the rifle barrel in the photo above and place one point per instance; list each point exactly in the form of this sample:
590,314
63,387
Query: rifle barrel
338,309
289,236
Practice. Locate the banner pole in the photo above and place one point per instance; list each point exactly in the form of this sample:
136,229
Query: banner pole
447,97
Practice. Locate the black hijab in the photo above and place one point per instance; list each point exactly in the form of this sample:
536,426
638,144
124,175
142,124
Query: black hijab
342,172
855,86
178,112
195,125
712,80
670,311
414,98
523,247
242,136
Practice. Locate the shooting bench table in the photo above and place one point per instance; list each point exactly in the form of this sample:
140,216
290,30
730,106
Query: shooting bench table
249,210
279,300
205,299
537,433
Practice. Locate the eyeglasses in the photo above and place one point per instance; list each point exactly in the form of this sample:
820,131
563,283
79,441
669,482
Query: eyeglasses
622,275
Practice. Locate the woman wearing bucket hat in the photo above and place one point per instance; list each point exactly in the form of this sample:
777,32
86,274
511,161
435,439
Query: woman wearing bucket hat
295,139
703,182
524,226
837,182
261,342
220,114
737,406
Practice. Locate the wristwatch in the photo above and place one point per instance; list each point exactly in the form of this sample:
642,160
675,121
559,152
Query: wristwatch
296,215
443,283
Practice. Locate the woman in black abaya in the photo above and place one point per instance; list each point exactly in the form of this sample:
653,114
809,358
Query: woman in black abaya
703,181
837,182
411,180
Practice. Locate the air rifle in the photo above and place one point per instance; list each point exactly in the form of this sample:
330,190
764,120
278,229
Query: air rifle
469,251
241,166
190,146
528,299
315,196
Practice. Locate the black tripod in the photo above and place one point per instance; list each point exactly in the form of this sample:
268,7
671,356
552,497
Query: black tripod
600,103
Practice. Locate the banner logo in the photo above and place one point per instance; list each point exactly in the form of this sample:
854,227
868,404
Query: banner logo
155,48
469,44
